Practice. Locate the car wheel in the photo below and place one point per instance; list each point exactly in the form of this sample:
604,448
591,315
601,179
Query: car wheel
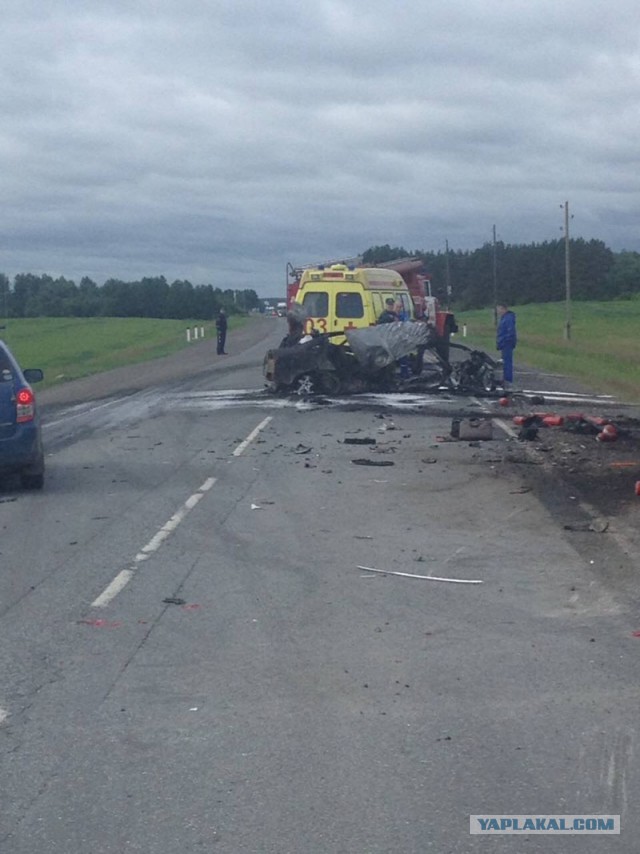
32,481
304,385
32,477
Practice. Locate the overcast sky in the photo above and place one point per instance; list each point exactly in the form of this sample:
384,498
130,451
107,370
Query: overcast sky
215,141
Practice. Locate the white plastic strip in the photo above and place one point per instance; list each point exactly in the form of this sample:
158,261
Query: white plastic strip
423,577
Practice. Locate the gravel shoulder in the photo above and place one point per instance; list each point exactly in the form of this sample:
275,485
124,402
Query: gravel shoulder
569,461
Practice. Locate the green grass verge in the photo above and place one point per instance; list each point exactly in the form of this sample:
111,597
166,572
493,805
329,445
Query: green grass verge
67,348
604,350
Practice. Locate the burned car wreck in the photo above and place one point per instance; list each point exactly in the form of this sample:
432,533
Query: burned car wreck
390,357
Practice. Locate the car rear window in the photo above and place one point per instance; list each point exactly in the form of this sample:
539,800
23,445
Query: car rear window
349,305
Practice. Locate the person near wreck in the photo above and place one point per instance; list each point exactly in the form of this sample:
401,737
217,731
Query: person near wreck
221,328
389,314
506,340
296,333
395,313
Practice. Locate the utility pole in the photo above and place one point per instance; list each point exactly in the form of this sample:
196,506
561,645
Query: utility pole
567,274
448,274
495,281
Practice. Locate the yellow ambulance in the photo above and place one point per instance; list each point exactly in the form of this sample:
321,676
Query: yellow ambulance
339,297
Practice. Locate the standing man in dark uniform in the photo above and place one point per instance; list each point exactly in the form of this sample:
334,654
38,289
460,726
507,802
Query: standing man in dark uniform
389,314
221,326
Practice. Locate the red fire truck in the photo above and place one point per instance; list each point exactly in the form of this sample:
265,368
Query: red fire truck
426,305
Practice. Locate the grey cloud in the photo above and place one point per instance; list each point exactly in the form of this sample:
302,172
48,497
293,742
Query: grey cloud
206,140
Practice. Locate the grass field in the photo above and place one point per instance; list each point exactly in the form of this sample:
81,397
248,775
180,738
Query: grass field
67,348
604,350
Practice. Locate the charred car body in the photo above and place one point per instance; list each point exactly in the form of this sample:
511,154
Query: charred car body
368,361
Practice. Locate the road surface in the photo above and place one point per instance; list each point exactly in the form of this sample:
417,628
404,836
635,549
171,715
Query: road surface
199,651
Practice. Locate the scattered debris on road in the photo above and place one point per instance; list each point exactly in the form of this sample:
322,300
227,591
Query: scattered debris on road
472,428
598,526
369,462
421,577
101,624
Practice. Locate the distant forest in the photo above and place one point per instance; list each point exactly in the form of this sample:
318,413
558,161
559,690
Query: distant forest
43,296
524,274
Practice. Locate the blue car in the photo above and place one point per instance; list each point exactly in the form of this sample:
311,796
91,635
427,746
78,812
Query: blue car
20,431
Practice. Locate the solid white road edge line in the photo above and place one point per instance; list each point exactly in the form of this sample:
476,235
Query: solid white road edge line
243,445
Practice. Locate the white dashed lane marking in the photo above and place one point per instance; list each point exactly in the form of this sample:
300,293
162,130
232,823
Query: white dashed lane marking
124,576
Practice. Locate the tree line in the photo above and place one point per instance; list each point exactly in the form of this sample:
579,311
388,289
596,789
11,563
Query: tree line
515,274
32,295
524,273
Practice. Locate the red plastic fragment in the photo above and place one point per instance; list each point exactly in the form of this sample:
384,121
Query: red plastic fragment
553,420
101,624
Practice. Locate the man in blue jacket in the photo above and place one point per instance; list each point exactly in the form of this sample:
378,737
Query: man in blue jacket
506,340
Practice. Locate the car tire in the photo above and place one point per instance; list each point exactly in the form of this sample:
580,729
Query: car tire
32,477
32,481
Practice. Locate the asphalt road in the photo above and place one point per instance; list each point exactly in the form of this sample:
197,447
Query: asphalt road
288,699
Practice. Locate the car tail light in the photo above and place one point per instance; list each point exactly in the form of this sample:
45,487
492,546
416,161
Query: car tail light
25,405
